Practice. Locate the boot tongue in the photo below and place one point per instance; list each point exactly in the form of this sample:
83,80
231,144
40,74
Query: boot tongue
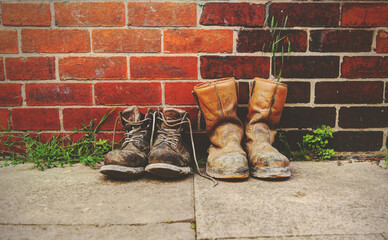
131,114
170,115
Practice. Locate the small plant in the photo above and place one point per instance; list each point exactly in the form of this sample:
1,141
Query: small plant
57,151
277,43
316,143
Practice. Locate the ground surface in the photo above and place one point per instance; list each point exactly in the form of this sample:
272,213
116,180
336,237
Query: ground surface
321,201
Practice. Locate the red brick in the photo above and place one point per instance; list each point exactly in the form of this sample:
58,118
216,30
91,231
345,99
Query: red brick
179,93
92,14
163,67
128,93
75,117
298,92
306,14
306,117
10,94
382,42
198,40
309,67
4,119
8,41
17,147
162,14
258,40
109,136
55,40
26,14
238,67
126,40
364,67
35,119
363,117
243,92
349,92
30,68
93,68
233,14
341,41
365,14
2,77
59,94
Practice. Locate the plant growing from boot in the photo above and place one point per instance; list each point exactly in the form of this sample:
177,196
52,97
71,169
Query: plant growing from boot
57,151
276,44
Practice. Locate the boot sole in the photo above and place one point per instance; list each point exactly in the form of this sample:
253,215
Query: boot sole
268,172
166,170
122,172
222,173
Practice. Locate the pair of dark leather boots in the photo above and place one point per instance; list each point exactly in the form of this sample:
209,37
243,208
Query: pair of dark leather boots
152,143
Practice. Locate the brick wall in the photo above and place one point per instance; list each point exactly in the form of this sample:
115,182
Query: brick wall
65,63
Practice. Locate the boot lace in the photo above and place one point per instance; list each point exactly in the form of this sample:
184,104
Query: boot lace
136,134
173,138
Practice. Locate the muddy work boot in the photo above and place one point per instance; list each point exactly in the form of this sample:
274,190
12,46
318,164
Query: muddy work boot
218,102
169,157
130,160
265,109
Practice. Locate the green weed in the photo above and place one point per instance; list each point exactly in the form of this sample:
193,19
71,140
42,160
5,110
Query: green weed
57,151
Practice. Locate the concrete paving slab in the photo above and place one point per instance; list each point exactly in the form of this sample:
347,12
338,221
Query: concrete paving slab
321,198
81,195
148,231
320,237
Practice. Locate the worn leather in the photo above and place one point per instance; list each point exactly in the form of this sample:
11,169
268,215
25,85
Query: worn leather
265,109
218,102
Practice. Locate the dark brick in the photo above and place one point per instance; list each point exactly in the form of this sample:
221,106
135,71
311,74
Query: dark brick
233,14
35,119
365,14
363,117
354,141
309,67
202,143
242,113
306,117
298,92
364,67
306,14
238,67
349,92
253,41
293,138
243,92
341,41
386,93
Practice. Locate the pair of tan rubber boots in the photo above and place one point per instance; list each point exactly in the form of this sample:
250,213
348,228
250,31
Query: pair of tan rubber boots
152,143
227,159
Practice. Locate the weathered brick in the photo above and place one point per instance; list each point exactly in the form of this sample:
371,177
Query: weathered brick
365,14
93,14
26,14
242,113
162,14
306,14
35,119
179,93
382,42
309,67
298,92
258,40
357,141
59,94
30,68
17,147
4,119
128,93
306,117
364,67
75,117
93,68
349,92
10,94
198,40
243,92
126,40
363,117
8,41
386,92
233,14
55,40
341,41
163,67
234,66
2,76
